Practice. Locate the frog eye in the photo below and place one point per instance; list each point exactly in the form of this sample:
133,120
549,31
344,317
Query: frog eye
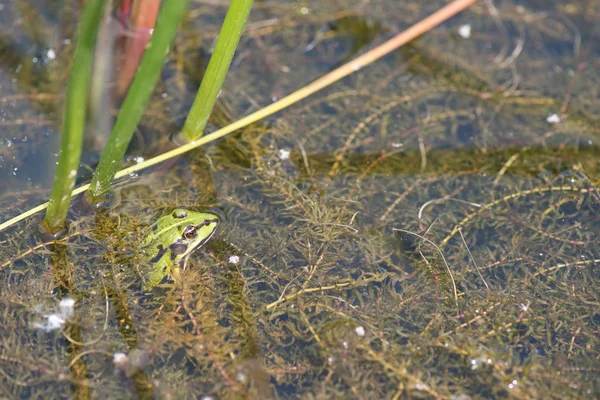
190,232
179,213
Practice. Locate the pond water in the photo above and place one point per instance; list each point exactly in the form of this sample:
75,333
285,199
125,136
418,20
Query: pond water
425,228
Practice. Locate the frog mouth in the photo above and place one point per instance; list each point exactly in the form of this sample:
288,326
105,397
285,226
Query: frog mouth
206,239
216,221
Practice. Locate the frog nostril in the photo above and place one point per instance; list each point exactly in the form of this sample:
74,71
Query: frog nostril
209,221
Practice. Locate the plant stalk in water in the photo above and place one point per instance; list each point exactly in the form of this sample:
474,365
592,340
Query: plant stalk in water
216,71
137,98
74,119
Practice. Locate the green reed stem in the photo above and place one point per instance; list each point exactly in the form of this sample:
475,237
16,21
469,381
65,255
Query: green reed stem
137,98
216,71
74,119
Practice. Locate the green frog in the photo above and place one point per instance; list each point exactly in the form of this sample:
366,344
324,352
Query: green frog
170,240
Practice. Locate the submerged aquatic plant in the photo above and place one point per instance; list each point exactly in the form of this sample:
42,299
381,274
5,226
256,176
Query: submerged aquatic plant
314,288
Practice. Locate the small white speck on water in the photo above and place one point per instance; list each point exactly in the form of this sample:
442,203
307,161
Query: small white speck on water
119,358
66,306
284,154
57,319
553,119
241,377
465,31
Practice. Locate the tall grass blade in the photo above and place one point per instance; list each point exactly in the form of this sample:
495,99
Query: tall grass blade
216,71
137,98
74,119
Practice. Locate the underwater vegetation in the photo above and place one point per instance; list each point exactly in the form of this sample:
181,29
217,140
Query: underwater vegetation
425,228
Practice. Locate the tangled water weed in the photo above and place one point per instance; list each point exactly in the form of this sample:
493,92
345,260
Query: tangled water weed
427,235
